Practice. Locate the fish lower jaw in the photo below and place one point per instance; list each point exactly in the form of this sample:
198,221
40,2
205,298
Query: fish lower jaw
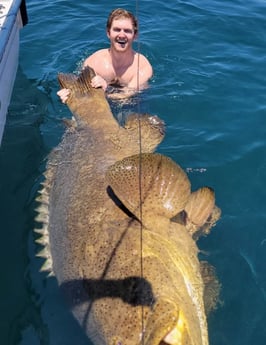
175,336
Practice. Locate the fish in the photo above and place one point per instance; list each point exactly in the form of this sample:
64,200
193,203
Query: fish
118,225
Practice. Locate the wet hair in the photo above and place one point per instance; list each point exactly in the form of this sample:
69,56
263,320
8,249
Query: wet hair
121,13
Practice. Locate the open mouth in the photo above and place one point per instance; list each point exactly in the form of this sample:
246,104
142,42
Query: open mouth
167,324
122,42
168,329
175,336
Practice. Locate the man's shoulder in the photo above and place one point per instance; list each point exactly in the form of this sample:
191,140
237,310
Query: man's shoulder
143,61
94,57
143,58
99,53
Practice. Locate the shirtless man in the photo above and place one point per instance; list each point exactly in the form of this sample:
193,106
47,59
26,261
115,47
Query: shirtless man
118,65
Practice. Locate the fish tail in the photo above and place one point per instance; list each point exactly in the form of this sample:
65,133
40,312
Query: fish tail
77,83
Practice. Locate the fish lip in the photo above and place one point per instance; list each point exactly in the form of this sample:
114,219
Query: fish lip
161,322
171,337
168,338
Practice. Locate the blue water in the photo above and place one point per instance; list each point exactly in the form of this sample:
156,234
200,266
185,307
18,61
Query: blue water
209,60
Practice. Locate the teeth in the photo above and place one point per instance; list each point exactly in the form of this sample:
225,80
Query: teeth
122,42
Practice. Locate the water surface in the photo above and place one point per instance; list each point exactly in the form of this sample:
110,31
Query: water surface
209,87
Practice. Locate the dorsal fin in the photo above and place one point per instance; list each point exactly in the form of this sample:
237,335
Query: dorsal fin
42,216
165,187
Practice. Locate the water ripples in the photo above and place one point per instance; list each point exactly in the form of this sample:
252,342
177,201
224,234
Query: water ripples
208,86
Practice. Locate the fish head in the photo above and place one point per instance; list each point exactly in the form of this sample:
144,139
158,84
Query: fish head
133,321
155,189
166,325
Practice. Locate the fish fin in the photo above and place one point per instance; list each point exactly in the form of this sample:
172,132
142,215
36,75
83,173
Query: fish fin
152,130
165,187
204,230
211,221
71,124
200,205
47,266
77,83
212,287
42,216
199,208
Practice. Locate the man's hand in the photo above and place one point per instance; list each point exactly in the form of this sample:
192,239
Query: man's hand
98,81
63,94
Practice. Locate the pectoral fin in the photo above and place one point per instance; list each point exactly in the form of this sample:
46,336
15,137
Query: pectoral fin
150,182
201,211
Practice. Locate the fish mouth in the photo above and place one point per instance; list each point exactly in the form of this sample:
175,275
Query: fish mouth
177,334
167,326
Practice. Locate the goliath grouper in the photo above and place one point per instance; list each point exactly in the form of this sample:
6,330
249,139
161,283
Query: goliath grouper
121,226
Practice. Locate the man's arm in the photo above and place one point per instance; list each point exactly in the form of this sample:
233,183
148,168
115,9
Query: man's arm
100,65
142,76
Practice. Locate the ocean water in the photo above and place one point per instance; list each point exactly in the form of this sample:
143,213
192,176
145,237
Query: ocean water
209,87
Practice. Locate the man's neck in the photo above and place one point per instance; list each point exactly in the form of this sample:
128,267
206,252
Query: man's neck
121,59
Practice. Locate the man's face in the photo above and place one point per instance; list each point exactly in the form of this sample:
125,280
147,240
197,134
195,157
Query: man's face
121,34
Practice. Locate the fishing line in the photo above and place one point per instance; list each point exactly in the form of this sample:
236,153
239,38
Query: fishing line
140,167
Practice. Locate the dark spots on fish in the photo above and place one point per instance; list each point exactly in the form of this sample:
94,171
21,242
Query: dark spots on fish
135,291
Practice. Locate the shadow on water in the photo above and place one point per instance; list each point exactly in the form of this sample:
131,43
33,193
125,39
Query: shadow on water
33,309
22,156
21,153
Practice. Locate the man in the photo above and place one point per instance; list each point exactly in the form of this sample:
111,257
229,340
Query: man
118,65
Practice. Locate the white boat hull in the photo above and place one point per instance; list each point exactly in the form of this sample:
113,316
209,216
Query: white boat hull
10,25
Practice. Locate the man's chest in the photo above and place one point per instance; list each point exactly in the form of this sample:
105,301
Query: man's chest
121,75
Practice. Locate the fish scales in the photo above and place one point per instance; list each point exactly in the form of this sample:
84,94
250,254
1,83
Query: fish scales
130,278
